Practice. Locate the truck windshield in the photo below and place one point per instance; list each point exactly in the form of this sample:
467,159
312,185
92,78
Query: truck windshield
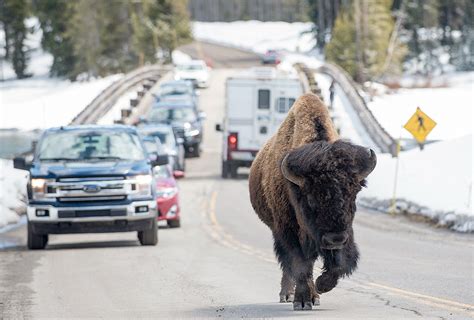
90,145
167,115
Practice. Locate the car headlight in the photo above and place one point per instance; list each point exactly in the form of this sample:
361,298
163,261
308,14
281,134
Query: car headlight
41,190
167,192
141,185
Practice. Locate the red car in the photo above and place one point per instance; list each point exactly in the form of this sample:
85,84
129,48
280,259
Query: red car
167,195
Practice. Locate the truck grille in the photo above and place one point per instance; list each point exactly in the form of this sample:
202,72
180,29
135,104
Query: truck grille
90,189
91,213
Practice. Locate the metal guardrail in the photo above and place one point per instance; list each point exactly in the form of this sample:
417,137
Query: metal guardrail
109,96
377,133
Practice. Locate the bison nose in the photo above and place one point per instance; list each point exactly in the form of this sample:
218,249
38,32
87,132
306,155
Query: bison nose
334,240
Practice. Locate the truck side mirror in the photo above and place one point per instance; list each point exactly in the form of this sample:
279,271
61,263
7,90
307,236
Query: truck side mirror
20,163
219,127
177,174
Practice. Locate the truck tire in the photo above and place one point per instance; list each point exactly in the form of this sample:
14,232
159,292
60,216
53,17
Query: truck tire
225,169
196,150
176,223
36,241
149,237
233,170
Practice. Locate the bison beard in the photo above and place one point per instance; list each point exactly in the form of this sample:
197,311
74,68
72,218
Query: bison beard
303,185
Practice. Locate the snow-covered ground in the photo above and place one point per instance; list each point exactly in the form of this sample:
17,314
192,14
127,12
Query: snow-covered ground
436,182
450,107
40,101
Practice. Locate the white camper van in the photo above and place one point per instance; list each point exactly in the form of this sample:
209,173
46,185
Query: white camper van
257,101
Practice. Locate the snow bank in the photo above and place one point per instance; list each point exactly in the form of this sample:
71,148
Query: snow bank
37,103
40,102
258,36
450,107
12,192
435,182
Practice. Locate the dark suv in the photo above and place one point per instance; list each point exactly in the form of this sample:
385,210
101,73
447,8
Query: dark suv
185,120
88,179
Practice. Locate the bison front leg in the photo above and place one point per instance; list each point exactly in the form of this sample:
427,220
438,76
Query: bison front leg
287,292
337,263
305,295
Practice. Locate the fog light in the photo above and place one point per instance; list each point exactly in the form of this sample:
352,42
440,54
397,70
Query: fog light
42,213
141,209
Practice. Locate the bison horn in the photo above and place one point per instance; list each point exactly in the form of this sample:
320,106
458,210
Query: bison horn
290,176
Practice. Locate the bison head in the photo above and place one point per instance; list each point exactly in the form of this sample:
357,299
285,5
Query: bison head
325,179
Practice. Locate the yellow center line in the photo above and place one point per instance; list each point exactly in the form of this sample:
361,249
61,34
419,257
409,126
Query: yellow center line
223,237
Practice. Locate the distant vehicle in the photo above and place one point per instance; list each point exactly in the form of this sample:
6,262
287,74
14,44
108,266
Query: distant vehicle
181,99
185,120
271,57
195,70
177,87
173,146
88,179
257,101
168,195
176,90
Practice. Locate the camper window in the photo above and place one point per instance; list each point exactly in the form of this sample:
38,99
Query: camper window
264,99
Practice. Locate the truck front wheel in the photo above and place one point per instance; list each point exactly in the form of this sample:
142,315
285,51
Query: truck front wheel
36,241
149,237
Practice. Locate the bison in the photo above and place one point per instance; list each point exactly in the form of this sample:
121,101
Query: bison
303,186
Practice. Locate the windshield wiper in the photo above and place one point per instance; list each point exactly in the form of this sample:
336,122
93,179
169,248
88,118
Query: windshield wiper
103,158
59,159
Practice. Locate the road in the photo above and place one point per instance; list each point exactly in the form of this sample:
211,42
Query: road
220,263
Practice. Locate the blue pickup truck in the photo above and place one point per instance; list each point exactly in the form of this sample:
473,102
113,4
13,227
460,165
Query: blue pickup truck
88,179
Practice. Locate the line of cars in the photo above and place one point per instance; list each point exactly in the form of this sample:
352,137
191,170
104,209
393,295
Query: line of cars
94,179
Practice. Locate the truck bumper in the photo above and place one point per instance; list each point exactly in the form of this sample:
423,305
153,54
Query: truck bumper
91,219
67,227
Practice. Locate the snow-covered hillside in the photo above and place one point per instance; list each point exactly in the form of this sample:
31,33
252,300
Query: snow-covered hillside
41,101
12,192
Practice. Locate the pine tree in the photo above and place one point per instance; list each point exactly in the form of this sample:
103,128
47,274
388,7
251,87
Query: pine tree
13,15
54,17
362,38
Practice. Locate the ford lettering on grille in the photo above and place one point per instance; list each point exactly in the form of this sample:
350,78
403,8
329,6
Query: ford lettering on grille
91,188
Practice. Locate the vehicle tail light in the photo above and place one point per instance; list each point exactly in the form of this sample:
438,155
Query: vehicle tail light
232,140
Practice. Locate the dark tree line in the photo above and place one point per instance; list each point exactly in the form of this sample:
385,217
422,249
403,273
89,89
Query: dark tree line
95,38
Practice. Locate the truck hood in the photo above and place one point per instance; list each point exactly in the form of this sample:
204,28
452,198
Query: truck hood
62,169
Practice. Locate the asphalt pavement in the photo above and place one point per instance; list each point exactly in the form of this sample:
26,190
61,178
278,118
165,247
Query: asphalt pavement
220,264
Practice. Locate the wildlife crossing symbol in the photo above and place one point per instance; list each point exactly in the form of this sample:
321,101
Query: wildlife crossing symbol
420,125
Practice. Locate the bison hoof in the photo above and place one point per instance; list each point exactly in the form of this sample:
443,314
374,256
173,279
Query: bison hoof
299,306
316,302
287,298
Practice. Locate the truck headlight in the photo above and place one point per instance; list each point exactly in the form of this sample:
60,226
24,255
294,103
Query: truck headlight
167,192
141,185
40,189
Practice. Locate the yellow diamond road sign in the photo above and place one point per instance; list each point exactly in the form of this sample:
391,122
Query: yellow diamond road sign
420,125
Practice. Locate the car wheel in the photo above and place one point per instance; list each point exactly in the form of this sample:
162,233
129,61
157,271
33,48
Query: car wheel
36,241
149,237
176,223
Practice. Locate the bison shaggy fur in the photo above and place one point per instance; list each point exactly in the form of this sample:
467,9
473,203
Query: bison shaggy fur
303,186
